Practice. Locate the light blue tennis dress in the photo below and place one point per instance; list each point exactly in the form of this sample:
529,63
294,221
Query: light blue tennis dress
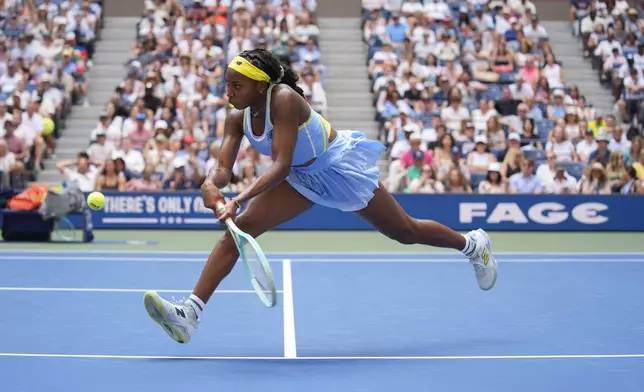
345,172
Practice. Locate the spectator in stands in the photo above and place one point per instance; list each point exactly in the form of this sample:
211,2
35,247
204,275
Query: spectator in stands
101,150
147,182
158,154
595,181
81,171
547,170
454,113
571,124
12,174
313,88
561,146
15,144
557,108
443,154
602,153
457,182
630,106
586,146
103,126
132,158
631,183
178,180
110,178
496,136
479,160
30,128
426,183
636,151
139,133
615,171
525,181
561,182
521,90
619,142
493,182
415,142
529,140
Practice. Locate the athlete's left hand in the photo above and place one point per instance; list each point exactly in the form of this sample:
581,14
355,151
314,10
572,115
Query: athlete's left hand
229,211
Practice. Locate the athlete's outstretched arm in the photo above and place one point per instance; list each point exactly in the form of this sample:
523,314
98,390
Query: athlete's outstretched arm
285,123
221,174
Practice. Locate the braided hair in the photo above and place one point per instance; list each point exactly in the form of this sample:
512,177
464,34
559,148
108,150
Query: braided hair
278,72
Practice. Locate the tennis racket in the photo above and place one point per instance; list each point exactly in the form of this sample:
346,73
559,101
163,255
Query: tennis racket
254,259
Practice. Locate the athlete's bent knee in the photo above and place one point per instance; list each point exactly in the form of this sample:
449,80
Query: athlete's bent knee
250,226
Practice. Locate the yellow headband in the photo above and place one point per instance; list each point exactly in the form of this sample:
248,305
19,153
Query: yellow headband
247,69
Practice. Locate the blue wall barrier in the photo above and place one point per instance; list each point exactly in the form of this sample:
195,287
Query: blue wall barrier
185,210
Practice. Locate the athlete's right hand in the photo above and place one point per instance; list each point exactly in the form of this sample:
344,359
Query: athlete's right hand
211,196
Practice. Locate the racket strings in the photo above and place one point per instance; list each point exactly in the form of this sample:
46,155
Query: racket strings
257,270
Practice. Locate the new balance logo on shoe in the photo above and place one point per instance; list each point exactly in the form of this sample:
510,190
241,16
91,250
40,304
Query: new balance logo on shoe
180,312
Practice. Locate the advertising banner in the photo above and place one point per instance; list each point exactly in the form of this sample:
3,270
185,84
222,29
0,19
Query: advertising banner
185,210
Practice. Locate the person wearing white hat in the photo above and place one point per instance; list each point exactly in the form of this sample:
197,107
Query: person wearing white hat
480,158
557,109
602,153
494,182
594,181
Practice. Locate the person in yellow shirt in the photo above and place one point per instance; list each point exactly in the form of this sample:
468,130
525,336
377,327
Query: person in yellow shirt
597,123
639,168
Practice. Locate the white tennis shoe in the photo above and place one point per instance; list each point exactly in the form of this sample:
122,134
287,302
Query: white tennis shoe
178,320
484,263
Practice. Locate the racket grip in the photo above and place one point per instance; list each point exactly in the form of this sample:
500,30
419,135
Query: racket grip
220,206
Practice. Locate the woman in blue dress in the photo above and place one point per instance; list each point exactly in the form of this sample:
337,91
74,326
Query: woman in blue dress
313,163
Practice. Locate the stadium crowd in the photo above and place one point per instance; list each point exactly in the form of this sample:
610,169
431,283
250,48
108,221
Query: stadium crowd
471,98
45,48
163,127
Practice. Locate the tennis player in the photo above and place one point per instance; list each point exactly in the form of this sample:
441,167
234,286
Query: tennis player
313,163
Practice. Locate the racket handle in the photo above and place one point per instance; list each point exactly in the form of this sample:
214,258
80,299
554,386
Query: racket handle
220,208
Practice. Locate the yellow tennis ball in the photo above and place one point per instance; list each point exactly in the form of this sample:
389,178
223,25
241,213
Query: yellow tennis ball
96,200
48,126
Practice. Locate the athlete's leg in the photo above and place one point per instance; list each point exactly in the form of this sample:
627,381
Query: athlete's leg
278,205
386,215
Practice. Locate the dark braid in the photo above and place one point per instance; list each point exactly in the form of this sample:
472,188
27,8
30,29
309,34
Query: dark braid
270,64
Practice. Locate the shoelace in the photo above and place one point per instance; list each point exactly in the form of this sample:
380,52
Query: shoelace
182,303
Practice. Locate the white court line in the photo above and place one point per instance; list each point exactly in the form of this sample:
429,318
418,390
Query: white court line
53,250
290,347
425,358
356,259
99,290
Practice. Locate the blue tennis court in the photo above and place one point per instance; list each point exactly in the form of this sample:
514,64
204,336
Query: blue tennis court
74,321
